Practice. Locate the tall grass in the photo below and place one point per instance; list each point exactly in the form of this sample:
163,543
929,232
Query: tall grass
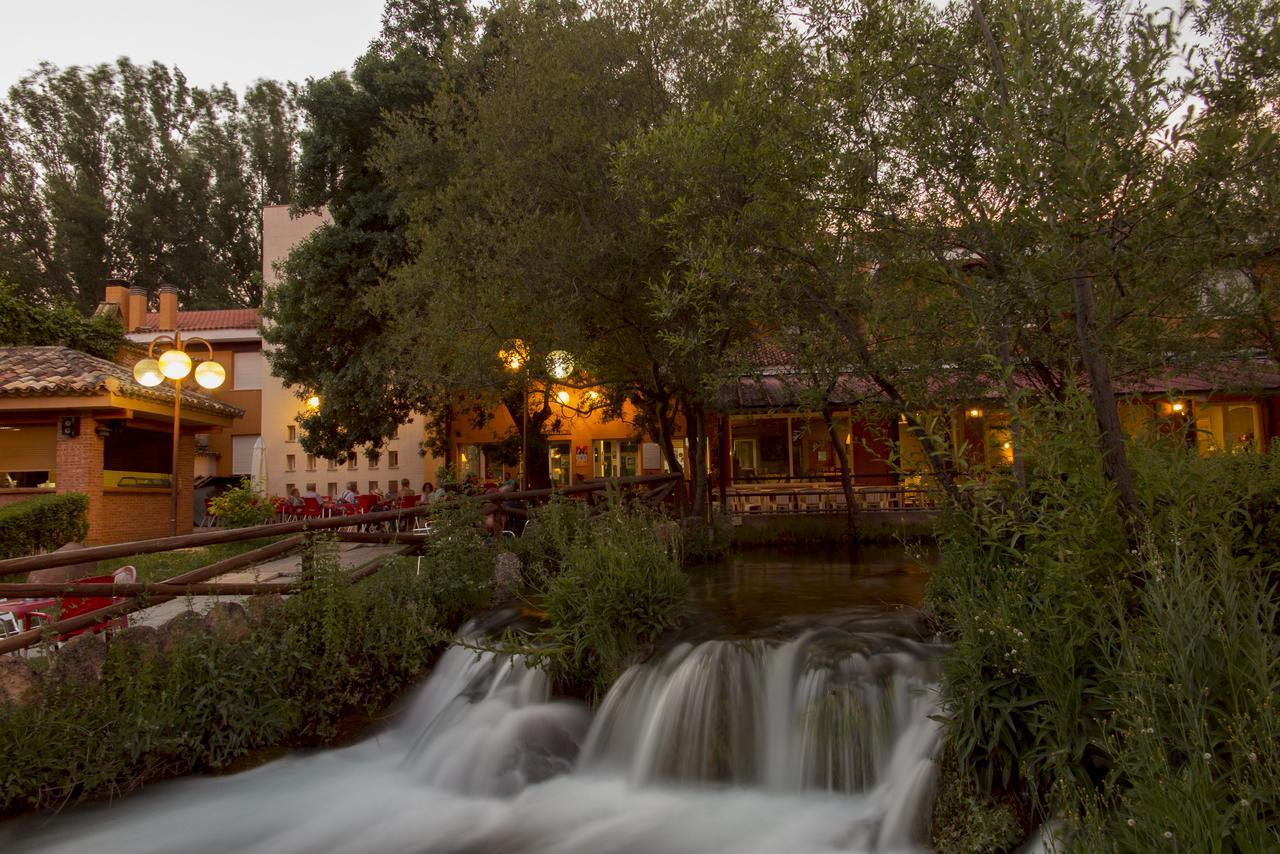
1130,690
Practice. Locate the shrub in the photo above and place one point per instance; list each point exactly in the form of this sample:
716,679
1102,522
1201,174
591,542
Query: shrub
551,531
44,523
242,506
618,588
23,322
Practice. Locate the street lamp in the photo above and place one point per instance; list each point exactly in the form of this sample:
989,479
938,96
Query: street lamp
559,364
174,364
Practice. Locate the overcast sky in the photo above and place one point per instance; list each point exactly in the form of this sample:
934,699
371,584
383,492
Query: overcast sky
214,41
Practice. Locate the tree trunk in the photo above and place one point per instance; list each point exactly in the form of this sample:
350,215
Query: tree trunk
846,479
696,422
1115,461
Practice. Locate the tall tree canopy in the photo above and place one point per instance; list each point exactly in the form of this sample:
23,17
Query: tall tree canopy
125,170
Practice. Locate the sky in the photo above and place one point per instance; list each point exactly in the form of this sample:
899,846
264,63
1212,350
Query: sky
213,41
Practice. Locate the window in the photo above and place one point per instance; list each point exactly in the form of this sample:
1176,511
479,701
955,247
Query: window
311,462
333,465
246,373
332,489
242,454
393,459
373,484
616,458
291,433
289,488
290,462
373,462
353,462
558,462
393,484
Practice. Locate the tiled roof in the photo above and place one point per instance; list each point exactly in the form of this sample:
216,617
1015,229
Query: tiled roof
208,320
54,371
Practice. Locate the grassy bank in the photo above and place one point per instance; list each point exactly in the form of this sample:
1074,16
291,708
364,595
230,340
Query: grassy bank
1125,683
162,565
831,530
198,695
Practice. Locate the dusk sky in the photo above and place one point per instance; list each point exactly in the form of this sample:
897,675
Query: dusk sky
232,41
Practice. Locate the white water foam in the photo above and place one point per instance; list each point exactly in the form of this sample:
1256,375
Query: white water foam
821,743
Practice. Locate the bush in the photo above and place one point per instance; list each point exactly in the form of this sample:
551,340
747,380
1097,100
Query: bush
1091,679
329,651
618,587
242,506
43,524
23,322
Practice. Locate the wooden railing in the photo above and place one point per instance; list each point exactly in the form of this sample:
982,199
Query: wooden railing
824,499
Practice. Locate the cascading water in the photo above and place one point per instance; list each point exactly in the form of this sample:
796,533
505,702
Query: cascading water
814,739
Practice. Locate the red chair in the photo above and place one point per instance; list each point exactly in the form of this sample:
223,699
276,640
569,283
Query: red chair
74,606
409,501
311,508
366,502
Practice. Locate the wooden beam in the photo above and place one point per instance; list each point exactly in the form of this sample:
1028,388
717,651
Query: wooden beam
116,609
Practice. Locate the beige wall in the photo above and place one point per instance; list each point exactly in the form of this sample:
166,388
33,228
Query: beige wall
281,232
282,405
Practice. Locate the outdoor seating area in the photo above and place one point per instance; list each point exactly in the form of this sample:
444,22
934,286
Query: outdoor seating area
20,615
823,498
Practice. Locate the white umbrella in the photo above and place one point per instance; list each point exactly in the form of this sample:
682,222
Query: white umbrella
258,465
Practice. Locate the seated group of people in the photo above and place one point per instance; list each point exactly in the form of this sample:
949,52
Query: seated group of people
350,496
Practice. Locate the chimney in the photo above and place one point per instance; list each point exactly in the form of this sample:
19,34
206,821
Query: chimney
117,294
168,308
137,313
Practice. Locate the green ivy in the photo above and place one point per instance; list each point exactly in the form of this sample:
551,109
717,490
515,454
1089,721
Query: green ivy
43,524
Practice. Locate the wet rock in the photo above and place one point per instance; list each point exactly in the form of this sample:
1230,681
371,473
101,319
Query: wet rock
178,629
506,576
80,660
18,681
140,643
263,607
228,622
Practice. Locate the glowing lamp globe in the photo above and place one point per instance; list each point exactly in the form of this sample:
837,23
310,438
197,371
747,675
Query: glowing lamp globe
559,364
562,396
209,374
313,402
175,364
147,372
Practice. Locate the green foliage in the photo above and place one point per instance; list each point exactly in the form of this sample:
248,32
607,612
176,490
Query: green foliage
967,821
548,536
242,506
458,558
333,650
617,588
43,523
23,322
708,541
121,169
1091,679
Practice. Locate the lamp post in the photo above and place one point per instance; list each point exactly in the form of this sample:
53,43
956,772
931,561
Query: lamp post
174,364
559,364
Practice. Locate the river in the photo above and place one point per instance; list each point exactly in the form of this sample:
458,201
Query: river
791,715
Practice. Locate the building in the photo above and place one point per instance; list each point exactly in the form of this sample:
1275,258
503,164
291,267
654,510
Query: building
288,465
237,346
71,422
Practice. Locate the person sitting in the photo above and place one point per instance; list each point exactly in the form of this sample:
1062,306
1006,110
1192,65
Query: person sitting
406,488
295,497
390,499
350,496
311,493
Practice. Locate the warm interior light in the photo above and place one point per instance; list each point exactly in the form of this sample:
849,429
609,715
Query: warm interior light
1008,445
175,364
314,401
562,396
559,364
147,372
1177,407
210,374
975,413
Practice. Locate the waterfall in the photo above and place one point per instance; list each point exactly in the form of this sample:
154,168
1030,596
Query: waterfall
817,742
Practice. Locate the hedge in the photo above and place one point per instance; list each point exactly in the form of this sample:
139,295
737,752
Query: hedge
43,524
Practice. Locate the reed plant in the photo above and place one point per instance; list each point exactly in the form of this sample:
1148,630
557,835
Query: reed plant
1123,681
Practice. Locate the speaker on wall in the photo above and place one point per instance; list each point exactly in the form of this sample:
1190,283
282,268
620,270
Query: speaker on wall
69,426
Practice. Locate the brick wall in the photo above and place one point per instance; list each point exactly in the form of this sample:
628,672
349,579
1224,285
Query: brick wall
12,496
120,515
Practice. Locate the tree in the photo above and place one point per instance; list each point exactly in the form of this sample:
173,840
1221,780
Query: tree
24,323
124,170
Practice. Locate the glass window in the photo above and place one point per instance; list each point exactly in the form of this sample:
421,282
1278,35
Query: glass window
1229,427
373,484
289,488
559,463
812,453
468,461
393,459
353,462
615,458
290,462
291,433
760,449
246,373
332,489
311,462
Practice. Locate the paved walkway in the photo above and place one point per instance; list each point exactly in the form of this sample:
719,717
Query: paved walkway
278,570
